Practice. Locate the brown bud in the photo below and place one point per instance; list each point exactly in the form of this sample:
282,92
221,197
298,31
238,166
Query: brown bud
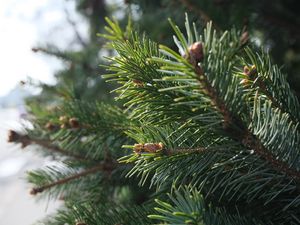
137,148
32,191
250,72
13,136
35,49
245,82
148,147
196,53
50,126
74,123
35,191
253,71
246,70
138,83
153,147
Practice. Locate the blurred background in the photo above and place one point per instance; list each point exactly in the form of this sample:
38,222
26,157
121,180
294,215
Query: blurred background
24,24
50,47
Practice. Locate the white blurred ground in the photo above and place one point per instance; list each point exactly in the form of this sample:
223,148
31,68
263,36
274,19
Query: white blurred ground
17,206
25,24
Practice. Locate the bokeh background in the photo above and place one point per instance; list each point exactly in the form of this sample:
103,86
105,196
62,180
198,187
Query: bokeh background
24,24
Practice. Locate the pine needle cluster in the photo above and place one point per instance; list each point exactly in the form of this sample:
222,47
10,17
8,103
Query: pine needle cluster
215,125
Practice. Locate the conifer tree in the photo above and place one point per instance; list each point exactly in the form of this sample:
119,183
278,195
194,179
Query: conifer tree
206,132
274,25
79,75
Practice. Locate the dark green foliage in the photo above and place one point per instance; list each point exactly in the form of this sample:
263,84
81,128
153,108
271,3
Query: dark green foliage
103,213
100,128
272,24
227,124
186,205
240,157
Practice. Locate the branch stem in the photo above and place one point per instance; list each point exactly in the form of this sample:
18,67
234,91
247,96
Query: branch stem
236,129
25,140
103,167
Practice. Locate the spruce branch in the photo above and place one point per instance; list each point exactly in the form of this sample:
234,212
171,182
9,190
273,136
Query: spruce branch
26,140
83,128
238,131
222,88
106,166
50,50
159,148
74,26
187,206
71,57
265,79
200,150
107,212
221,143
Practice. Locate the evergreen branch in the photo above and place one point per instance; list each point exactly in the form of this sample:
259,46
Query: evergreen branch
106,212
105,126
224,176
238,131
73,24
222,88
268,79
47,144
105,166
25,140
188,206
250,170
51,50
72,57
171,152
83,128
251,141
272,127
176,138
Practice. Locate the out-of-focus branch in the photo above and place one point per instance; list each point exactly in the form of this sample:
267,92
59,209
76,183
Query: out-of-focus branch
200,12
108,167
74,26
25,140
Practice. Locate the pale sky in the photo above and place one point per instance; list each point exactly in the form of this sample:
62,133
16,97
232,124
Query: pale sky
24,24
